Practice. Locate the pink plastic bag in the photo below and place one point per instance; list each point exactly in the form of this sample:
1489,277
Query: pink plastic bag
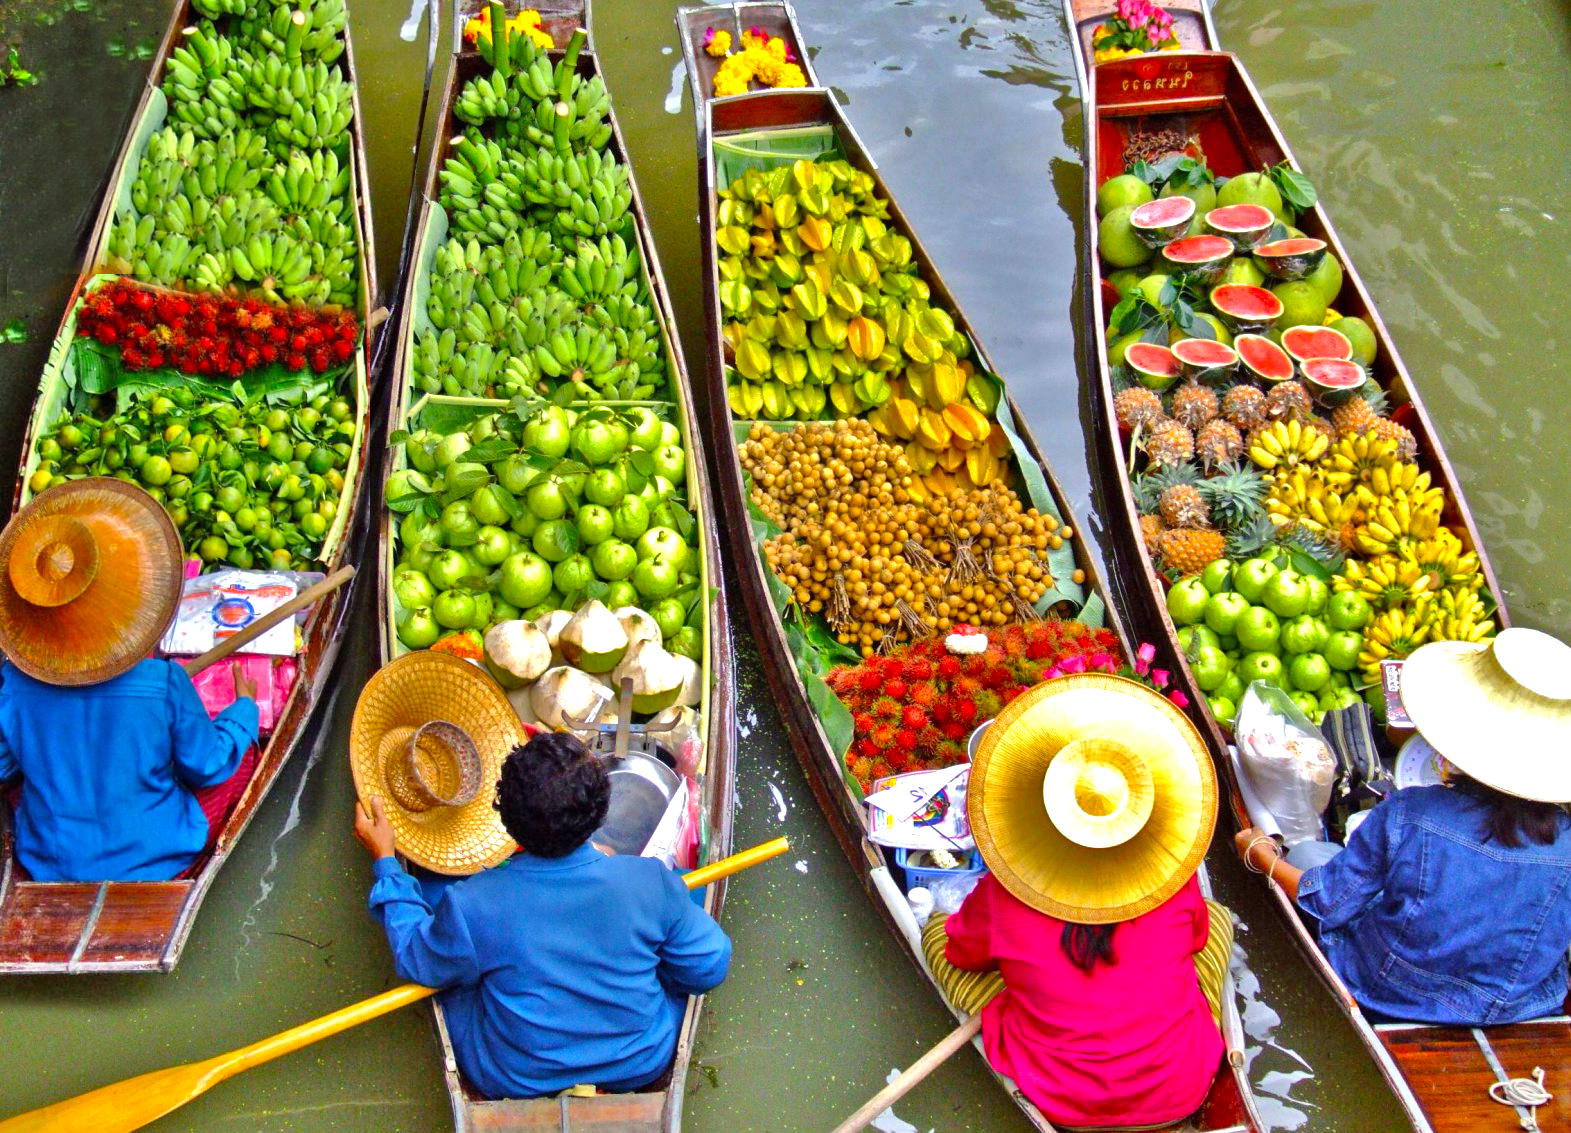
215,685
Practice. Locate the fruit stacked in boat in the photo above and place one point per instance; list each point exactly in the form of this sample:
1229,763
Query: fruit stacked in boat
1288,509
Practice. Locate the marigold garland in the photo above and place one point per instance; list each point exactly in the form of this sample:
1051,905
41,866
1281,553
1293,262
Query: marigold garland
527,22
762,59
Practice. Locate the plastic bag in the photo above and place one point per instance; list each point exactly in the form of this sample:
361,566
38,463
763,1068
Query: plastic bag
219,605
1288,761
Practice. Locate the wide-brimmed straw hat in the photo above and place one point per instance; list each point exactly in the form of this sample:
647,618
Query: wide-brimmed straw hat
1092,798
429,735
1501,712
90,578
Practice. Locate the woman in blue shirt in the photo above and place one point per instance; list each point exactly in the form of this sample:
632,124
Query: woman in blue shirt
563,966
1452,904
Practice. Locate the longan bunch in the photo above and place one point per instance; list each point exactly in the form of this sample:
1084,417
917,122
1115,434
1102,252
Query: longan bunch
881,564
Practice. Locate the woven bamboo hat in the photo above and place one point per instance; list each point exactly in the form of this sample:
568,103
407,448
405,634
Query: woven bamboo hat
1092,798
429,735
91,580
1500,711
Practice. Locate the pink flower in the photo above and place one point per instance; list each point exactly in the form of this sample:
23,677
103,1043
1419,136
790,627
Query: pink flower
1072,665
1160,677
1155,34
709,36
1102,660
1177,697
1143,658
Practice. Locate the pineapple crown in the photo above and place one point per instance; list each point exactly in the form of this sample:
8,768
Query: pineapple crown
1236,495
1148,487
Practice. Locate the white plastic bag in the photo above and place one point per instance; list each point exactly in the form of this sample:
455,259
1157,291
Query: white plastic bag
1287,760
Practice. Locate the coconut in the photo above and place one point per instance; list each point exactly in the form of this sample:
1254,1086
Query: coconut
593,639
638,625
692,680
551,625
564,691
516,653
657,678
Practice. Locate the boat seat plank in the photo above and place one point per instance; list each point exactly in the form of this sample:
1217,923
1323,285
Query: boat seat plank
43,923
135,923
603,1113
1451,1077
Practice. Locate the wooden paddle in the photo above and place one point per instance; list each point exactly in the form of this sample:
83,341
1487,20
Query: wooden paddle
270,619
139,1101
902,1085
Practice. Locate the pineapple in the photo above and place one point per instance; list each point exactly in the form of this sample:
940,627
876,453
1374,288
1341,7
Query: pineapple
1245,407
1189,550
1322,548
1170,443
1193,405
1356,416
1218,442
1235,496
1289,401
1137,408
1250,537
1182,505
1148,487
1151,528
1388,430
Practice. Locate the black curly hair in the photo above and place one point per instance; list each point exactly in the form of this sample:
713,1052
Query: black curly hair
552,794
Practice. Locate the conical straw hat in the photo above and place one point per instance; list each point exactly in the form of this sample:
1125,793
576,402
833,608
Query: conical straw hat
400,699
1501,711
1092,798
91,578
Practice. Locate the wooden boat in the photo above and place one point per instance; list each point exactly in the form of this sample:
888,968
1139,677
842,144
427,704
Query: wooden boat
142,926
1230,1105
657,1108
1192,24
1439,1075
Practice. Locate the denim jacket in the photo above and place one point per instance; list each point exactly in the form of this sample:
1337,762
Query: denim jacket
1425,921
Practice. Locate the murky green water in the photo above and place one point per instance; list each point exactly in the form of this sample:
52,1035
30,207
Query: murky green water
1435,134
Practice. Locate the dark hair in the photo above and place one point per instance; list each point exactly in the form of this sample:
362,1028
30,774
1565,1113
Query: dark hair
1087,944
1509,820
552,795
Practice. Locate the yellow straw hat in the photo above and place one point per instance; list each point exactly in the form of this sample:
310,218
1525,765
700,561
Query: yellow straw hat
429,735
1092,798
89,580
1501,712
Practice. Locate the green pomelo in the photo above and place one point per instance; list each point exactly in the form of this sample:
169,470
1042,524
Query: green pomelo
1115,352
1358,333
1251,189
1175,333
1117,242
1124,281
1242,269
1116,192
1151,287
1302,305
1204,197
1327,278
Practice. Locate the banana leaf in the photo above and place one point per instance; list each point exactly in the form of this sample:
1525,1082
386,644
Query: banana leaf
735,154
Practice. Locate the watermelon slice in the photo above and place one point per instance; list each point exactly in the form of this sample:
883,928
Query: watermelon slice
1154,365
1246,309
1205,360
1199,257
1163,220
1332,381
1244,225
1263,359
1291,259
1315,342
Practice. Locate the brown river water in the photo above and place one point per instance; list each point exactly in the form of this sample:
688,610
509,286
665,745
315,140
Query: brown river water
1435,133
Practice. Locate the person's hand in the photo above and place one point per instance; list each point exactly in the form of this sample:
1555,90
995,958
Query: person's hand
244,686
1256,848
373,828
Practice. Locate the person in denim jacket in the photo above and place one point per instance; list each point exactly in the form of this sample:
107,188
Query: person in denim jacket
1452,904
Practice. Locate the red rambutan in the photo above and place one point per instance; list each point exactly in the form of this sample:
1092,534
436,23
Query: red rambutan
868,680
923,695
886,708
917,669
895,688
949,668
965,710
914,717
905,739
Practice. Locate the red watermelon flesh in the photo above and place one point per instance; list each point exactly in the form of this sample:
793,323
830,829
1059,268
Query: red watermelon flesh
1293,246
1240,218
1316,342
1263,357
1198,249
1151,358
1333,373
1242,301
1162,212
1204,352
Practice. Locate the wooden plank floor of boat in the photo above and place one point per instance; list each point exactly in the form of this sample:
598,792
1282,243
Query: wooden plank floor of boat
1451,1075
603,1113
89,926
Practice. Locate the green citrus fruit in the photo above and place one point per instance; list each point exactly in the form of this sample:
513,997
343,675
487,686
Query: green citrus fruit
1115,352
1118,242
1204,197
1251,189
1124,280
1242,269
1327,278
1357,332
1175,333
1125,189
1302,305
1151,287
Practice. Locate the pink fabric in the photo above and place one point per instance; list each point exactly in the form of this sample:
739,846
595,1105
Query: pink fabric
1132,1043
217,802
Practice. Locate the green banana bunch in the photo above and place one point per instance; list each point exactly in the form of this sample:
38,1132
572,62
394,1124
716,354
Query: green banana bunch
217,9
483,97
315,184
321,34
598,270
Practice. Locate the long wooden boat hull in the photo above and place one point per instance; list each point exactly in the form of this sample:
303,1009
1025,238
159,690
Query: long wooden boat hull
657,1109
58,928
1230,1106
1211,97
1192,24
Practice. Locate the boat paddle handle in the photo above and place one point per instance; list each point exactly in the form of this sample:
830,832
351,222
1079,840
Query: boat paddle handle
268,620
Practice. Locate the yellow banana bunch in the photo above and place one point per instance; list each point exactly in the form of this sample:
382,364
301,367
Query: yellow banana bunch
1399,476
1393,634
1287,443
1398,520
1388,582
1458,615
1443,559
1299,495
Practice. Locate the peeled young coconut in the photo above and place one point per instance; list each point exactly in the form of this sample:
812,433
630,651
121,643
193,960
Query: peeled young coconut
564,691
516,653
551,625
692,691
657,678
638,625
593,640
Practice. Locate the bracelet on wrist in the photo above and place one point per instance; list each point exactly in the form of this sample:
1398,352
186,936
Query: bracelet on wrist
1249,852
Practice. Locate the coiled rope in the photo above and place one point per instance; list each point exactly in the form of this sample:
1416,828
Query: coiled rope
1522,1093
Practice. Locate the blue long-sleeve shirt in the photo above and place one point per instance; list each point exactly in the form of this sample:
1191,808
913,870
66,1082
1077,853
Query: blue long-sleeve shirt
557,971
108,770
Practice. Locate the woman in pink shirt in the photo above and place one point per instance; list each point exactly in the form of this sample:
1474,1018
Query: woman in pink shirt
1092,800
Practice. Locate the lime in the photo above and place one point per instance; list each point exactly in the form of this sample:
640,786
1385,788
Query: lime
1117,240
1242,269
1204,197
1302,304
1327,278
1251,189
1116,192
1357,332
